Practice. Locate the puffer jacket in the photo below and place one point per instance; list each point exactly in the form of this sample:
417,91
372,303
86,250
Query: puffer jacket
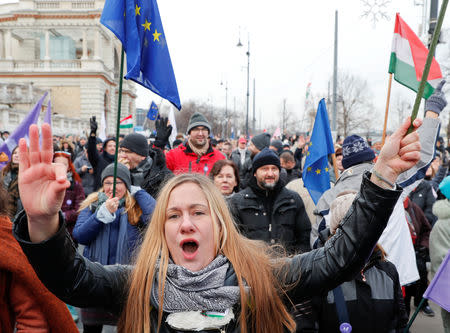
183,160
277,216
88,284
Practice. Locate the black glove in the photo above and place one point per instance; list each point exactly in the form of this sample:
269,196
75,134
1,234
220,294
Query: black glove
94,126
437,101
163,132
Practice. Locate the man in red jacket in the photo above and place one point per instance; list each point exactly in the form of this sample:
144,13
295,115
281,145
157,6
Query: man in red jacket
196,154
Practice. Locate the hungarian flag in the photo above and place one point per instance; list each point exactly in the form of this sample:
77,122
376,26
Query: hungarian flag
126,122
408,57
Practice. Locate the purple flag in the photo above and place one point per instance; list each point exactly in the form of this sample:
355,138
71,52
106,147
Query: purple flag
22,130
48,114
439,289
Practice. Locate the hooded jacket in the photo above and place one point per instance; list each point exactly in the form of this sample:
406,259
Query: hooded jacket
183,160
89,284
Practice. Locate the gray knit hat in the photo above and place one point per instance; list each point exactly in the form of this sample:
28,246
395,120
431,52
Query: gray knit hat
122,172
339,208
135,142
197,119
261,141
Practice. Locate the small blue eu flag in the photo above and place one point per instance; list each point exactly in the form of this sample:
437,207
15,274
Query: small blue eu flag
153,112
137,24
316,177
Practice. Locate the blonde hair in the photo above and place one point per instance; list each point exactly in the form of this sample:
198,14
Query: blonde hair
131,206
262,309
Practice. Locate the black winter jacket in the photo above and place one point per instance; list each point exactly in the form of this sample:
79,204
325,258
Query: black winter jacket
99,161
276,217
245,170
82,283
423,197
374,299
151,173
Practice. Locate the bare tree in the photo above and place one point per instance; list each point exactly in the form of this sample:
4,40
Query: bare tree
354,102
401,108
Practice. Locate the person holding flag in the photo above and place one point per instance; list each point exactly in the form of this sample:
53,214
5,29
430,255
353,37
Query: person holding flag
396,239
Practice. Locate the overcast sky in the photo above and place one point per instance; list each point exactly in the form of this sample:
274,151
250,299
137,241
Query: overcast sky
291,44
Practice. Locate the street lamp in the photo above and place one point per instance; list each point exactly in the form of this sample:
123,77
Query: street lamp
239,44
225,135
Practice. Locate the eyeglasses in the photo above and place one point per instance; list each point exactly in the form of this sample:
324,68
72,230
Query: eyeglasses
111,183
199,129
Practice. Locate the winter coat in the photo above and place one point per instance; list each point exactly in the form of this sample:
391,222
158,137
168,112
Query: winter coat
99,161
424,197
72,200
275,216
292,174
183,160
440,234
245,170
314,272
87,179
11,184
152,173
89,225
24,301
373,299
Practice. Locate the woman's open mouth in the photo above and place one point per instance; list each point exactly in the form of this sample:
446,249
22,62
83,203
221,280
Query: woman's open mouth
190,248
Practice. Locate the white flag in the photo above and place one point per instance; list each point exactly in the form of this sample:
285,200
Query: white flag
172,122
102,133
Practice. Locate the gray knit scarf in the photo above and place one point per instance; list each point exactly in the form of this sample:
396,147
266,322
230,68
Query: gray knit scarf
197,291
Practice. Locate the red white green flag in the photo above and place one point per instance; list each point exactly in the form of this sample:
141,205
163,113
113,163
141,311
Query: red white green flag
408,57
127,122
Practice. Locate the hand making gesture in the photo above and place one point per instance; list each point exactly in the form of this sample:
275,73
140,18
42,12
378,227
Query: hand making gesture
42,184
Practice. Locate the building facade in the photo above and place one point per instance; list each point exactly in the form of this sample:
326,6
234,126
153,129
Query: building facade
60,46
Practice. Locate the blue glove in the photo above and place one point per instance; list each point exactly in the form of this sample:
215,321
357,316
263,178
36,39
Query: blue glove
436,102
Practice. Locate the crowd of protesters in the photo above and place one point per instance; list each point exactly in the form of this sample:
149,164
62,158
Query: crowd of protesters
260,179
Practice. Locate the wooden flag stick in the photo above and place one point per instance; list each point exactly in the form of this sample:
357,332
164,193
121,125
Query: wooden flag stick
426,70
336,171
387,109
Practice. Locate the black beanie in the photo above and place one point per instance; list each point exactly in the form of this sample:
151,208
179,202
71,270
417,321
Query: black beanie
135,142
278,145
197,119
261,141
355,150
122,172
266,157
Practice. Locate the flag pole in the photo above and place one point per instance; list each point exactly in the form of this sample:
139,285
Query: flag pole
426,70
387,110
406,330
119,106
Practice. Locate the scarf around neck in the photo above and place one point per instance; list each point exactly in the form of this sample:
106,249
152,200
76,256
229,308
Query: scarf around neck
196,291
198,151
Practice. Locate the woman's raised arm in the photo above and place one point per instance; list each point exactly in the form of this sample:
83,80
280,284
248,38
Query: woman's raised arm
42,184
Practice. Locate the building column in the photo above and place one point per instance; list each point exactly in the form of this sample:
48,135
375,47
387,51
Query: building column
8,45
97,44
47,45
85,55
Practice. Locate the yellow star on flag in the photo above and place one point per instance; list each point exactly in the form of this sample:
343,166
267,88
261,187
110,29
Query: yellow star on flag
146,25
137,10
310,143
307,153
156,35
318,171
326,169
309,169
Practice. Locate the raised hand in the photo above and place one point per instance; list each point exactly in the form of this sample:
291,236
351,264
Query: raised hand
163,131
400,152
94,125
42,184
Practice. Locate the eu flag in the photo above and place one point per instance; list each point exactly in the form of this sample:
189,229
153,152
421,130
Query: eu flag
137,24
316,177
153,112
